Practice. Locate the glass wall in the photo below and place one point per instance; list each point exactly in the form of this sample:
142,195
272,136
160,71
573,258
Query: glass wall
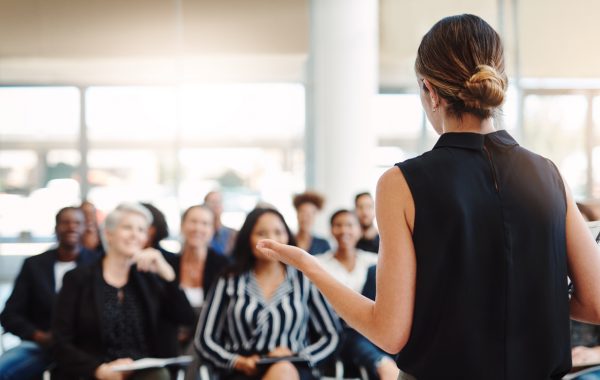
171,145
165,145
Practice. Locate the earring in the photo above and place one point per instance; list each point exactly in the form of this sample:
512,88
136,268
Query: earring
434,108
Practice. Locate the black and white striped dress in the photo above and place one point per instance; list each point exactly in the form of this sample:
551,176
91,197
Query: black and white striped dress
237,320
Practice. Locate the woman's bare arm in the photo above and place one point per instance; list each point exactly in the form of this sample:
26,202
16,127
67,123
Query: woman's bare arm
387,320
583,256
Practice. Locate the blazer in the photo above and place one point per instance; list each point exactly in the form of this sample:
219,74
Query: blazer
77,327
215,263
31,302
318,245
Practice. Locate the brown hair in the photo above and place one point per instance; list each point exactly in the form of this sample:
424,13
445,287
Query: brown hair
463,59
309,197
189,209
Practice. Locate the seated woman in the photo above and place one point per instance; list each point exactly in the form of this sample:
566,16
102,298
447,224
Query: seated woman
352,267
307,205
262,308
197,268
110,313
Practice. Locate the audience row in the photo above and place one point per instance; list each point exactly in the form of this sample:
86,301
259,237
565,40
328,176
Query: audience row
88,306
128,298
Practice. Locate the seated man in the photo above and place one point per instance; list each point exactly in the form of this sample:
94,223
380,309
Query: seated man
365,211
223,237
355,268
28,310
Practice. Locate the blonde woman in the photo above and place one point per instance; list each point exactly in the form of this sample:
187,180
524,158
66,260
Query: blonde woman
110,313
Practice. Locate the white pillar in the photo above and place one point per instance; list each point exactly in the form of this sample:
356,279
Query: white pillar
342,81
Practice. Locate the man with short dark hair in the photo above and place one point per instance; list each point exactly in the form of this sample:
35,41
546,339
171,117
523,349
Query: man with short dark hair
28,311
365,211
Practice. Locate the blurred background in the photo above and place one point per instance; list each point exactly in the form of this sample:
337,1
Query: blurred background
162,101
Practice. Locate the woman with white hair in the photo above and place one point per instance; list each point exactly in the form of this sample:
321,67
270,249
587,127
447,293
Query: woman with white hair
110,313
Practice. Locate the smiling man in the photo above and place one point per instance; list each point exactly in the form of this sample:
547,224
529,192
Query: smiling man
28,310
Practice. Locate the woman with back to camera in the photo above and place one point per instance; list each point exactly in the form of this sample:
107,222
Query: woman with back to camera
261,307
478,235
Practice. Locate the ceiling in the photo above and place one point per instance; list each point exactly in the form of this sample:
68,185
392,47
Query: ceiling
156,41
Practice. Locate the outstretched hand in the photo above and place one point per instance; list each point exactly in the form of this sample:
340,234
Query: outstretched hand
287,254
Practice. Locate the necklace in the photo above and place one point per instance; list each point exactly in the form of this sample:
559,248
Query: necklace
120,295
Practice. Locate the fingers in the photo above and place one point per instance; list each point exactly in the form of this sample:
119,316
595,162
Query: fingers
148,260
247,364
121,361
275,250
268,244
287,254
269,247
582,355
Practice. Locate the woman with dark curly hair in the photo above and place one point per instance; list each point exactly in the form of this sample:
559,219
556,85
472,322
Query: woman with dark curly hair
307,205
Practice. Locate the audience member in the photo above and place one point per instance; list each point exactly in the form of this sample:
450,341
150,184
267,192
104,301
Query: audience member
261,307
91,235
585,337
350,265
28,311
307,205
585,343
111,312
365,211
158,230
223,237
198,266
587,212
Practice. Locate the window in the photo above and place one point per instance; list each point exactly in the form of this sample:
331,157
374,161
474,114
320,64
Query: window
555,127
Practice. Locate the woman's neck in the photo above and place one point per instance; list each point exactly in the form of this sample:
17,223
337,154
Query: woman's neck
194,253
346,256
304,239
115,269
267,268
468,123
303,233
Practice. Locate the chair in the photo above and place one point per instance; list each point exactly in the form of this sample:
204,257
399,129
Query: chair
337,370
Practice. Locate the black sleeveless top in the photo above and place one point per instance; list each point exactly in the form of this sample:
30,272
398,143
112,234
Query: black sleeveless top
491,288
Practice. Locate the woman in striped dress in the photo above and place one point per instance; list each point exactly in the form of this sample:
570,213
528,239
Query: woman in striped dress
264,309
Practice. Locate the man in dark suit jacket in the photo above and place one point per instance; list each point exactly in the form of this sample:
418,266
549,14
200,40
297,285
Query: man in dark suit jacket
28,311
